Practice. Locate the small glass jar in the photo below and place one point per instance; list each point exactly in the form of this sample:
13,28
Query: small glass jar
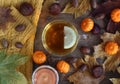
45,74
60,37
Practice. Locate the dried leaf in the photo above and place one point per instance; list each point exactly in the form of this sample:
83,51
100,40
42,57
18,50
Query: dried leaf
115,80
79,62
81,77
99,51
83,6
118,69
69,9
113,61
91,61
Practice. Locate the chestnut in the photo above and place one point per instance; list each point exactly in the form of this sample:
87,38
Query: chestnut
96,29
111,27
20,27
71,60
97,71
74,3
94,4
55,9
85,50
19,45
26,9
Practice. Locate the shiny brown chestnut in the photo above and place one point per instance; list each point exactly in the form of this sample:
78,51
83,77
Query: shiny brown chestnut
97,71
55,9
85,50
94,4
71,60
26,9
74,3
19,45
20,27
96,29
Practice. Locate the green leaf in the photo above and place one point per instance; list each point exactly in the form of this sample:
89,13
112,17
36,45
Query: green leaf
21,60
8,64
2,56
14,60
13,77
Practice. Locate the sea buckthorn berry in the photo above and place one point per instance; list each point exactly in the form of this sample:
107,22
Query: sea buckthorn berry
63,66
39,57
111,48
87,24
115,15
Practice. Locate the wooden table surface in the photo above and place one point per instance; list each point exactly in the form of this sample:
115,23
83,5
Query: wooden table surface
91,41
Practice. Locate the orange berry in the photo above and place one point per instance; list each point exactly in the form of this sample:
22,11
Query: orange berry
111,48
115,15
39,57
63,66
87,24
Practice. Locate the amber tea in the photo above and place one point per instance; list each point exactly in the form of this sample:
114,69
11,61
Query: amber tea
59,37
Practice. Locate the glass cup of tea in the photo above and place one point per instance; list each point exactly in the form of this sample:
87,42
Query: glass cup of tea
60,37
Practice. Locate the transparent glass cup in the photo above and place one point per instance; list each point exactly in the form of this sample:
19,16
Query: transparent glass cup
54,51
45,67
